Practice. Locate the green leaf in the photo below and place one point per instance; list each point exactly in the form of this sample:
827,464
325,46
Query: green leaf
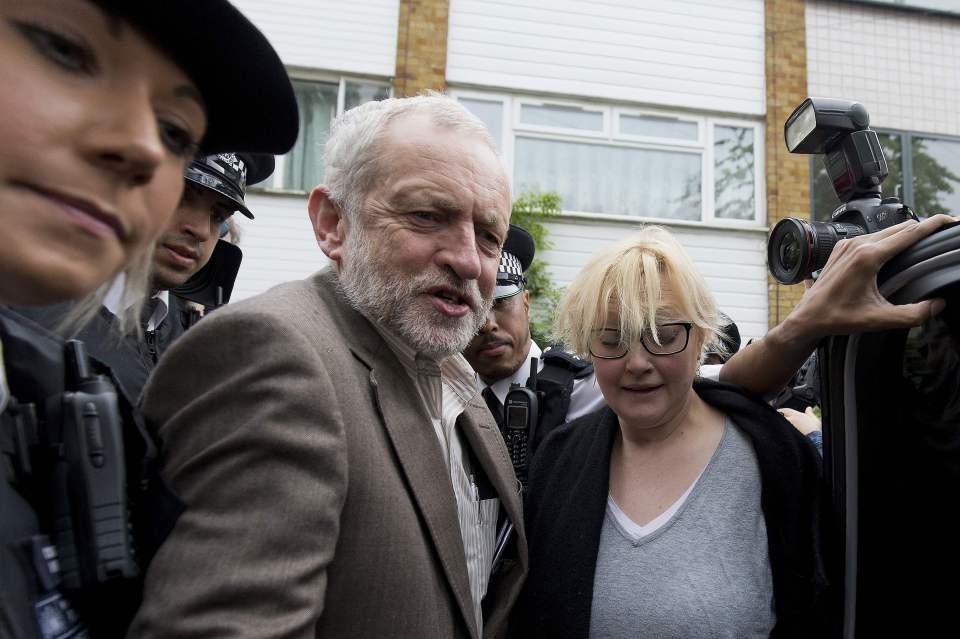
532,211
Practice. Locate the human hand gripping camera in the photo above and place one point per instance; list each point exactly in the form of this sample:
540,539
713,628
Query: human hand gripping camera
866,231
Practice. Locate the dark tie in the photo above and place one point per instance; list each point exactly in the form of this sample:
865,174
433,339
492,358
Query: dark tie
496,408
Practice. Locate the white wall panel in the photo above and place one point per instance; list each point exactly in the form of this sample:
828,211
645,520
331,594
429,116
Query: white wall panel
903,66
732,261
278,245
334,35
682,53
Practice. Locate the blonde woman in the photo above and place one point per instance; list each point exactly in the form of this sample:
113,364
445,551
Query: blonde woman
685,508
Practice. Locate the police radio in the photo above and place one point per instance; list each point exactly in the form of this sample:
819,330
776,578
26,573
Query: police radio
521,414
91,528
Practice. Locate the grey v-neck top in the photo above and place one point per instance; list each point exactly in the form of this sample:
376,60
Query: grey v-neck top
705,573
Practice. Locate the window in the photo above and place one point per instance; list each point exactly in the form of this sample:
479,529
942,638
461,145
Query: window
620,161
491,112
927,178
320,102
935,6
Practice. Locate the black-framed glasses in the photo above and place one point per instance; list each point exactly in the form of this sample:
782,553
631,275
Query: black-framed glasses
672,338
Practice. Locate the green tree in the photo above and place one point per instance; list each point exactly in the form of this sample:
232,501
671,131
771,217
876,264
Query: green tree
532,211
932,181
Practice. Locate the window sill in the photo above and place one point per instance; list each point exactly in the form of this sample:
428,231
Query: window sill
751,226
269,190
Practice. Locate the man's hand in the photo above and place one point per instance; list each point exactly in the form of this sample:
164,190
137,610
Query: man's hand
845,299
805,422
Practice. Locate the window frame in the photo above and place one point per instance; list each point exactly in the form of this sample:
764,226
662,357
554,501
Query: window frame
513,128
274,184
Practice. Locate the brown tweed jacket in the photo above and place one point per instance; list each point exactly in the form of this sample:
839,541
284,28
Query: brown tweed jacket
318,502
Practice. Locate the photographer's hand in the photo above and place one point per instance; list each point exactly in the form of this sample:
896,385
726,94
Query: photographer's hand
845,299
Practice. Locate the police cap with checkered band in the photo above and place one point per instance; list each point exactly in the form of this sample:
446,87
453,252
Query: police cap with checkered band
229,174
515,259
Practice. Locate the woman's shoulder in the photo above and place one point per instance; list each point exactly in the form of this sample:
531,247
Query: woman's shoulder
769,432
586,440
579,432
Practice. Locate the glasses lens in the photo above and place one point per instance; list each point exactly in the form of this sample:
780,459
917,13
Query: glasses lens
607,343
669,339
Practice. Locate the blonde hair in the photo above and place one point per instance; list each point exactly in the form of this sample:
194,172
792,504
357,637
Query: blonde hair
631,276
134,296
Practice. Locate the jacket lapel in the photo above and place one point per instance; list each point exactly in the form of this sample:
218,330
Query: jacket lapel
421,460
487,445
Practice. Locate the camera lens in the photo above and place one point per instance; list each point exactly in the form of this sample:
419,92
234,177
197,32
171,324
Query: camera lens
797,248
790,253
789,249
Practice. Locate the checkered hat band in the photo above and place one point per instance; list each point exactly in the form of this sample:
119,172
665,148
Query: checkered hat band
509,266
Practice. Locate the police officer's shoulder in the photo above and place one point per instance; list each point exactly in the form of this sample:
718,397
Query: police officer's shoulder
558,357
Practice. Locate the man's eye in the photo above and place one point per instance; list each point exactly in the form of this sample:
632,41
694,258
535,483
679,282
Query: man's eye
490,238
60,49
427,216
177,139
219,217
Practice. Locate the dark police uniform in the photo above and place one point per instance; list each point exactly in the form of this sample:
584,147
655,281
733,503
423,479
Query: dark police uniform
241,81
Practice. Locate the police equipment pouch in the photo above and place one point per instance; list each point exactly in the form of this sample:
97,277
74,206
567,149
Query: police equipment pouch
91,527
521,414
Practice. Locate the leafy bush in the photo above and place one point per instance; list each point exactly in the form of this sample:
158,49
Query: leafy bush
532,211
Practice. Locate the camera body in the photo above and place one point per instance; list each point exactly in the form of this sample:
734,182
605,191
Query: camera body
854,160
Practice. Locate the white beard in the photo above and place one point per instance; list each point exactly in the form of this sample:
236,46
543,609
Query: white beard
373,287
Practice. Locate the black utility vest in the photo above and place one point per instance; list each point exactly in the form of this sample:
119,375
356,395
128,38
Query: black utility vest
33,603
555,380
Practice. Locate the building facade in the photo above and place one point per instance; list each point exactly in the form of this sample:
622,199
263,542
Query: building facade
634,111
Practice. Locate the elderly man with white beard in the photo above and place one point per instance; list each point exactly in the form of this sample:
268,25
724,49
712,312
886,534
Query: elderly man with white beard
342,475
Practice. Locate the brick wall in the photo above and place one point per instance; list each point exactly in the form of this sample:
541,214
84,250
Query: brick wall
788,175
421,47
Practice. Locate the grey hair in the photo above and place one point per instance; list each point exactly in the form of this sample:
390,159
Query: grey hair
350,159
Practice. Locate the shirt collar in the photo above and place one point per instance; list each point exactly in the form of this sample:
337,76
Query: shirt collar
454,370
114,302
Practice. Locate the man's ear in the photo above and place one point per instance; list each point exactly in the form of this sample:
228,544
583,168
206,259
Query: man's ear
327,222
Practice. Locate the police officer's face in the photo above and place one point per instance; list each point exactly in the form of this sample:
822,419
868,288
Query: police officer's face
503,343
189,239
96,127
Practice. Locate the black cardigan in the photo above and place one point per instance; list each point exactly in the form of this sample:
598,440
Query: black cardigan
567,503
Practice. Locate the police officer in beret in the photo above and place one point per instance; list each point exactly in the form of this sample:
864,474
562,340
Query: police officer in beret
105,102
501,351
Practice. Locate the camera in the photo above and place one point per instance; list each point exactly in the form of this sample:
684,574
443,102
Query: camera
839,129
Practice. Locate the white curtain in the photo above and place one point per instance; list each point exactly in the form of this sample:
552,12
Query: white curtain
303,168
600,178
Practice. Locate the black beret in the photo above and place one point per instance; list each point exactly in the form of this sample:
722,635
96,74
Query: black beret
248,96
